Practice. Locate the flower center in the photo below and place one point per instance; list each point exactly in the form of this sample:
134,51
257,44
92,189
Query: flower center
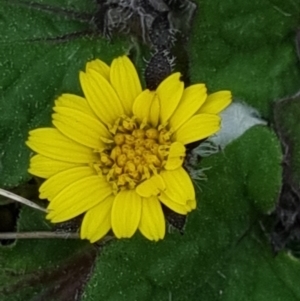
137,152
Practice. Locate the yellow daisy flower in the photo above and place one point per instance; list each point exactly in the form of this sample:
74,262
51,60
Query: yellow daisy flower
117,154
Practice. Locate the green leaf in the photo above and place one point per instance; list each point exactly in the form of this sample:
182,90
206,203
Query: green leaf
224,254
247,48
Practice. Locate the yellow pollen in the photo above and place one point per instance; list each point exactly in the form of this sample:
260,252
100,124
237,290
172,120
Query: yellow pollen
139,142
153,169
114,128
162,151
128,124
154,149
116,151
149,143
140,150
164,136
105,160
121,160
140,168
137,160
125,148
138,133
137,152
135,175
121,180
119,139
130,154
146,174
152,133
129,167
129,139
118,170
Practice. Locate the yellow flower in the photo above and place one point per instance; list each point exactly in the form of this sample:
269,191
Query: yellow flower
117,154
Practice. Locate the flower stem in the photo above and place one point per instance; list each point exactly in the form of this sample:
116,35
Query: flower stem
39,235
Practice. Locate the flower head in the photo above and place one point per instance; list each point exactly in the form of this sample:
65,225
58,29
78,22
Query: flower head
116,155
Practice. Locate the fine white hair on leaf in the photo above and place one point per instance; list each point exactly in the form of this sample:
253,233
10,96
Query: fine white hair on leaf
236,120
199,174
205,149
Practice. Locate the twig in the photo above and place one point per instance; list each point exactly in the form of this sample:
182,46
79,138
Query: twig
38,235
20,199
48,235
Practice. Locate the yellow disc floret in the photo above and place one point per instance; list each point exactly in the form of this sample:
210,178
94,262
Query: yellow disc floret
138,151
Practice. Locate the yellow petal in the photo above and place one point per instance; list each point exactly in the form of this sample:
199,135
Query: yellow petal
169,93
125,80
45,167
176,156
178,208
179,187
98,66
152,224
80,127
97,221
191,204
101,97
154,111
126,213
151,187
177,149
192,99
50,143
216,102
142,105
197,128
50,188
78,197
174,163
74,102
147,107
